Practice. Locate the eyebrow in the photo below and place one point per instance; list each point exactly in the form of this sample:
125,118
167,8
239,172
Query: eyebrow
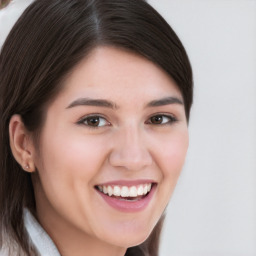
93,102
165,101
110,104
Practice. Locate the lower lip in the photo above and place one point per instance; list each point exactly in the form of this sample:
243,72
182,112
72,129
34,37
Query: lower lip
129,206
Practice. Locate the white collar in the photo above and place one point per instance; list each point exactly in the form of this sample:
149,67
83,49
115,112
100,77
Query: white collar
38,236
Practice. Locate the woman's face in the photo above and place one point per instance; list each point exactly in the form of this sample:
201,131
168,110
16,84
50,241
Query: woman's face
112,148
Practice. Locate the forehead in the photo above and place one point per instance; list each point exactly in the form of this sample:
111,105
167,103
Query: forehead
120,75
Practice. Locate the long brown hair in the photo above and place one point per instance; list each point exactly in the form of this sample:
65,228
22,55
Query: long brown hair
47,42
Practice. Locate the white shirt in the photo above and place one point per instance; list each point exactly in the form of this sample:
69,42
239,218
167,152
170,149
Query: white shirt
40,239
38,236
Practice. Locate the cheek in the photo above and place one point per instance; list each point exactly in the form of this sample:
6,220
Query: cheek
72,156
68,167
68,170
172,153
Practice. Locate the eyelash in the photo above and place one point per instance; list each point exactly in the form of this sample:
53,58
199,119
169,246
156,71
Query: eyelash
172,119
95,116
85,119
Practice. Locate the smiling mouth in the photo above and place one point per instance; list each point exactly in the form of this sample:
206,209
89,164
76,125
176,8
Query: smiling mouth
126,193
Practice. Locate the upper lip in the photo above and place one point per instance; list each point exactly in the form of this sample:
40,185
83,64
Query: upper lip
127,183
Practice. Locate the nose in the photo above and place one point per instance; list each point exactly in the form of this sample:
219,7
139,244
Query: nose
130,150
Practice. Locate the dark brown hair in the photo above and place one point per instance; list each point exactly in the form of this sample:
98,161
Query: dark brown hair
47,42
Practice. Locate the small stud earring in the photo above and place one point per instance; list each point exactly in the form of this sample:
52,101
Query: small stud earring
27,167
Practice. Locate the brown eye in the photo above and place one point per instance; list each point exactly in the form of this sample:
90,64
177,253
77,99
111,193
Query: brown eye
161,120
94,121
156,119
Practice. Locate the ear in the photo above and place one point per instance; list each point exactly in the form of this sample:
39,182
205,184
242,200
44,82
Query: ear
21,144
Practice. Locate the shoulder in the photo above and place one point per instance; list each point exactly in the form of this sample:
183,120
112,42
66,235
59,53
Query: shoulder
4,252
13,250
38,236
9,247
5,249
39,240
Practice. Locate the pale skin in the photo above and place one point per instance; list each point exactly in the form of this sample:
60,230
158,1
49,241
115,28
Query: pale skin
127,143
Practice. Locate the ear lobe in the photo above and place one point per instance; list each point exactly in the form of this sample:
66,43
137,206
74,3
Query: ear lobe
21,143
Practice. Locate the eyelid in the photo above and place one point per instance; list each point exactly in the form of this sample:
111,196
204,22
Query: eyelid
173,119
82,120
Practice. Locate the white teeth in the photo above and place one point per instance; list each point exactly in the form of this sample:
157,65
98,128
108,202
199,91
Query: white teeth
125,191
105,190
110,191
133,191
145,190
117,191
140,190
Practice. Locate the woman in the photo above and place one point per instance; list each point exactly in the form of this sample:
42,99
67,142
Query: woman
95,101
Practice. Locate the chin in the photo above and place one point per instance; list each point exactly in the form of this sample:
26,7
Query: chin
134,240
128,241
128,236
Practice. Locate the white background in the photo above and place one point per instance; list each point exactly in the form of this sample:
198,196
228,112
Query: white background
213,209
